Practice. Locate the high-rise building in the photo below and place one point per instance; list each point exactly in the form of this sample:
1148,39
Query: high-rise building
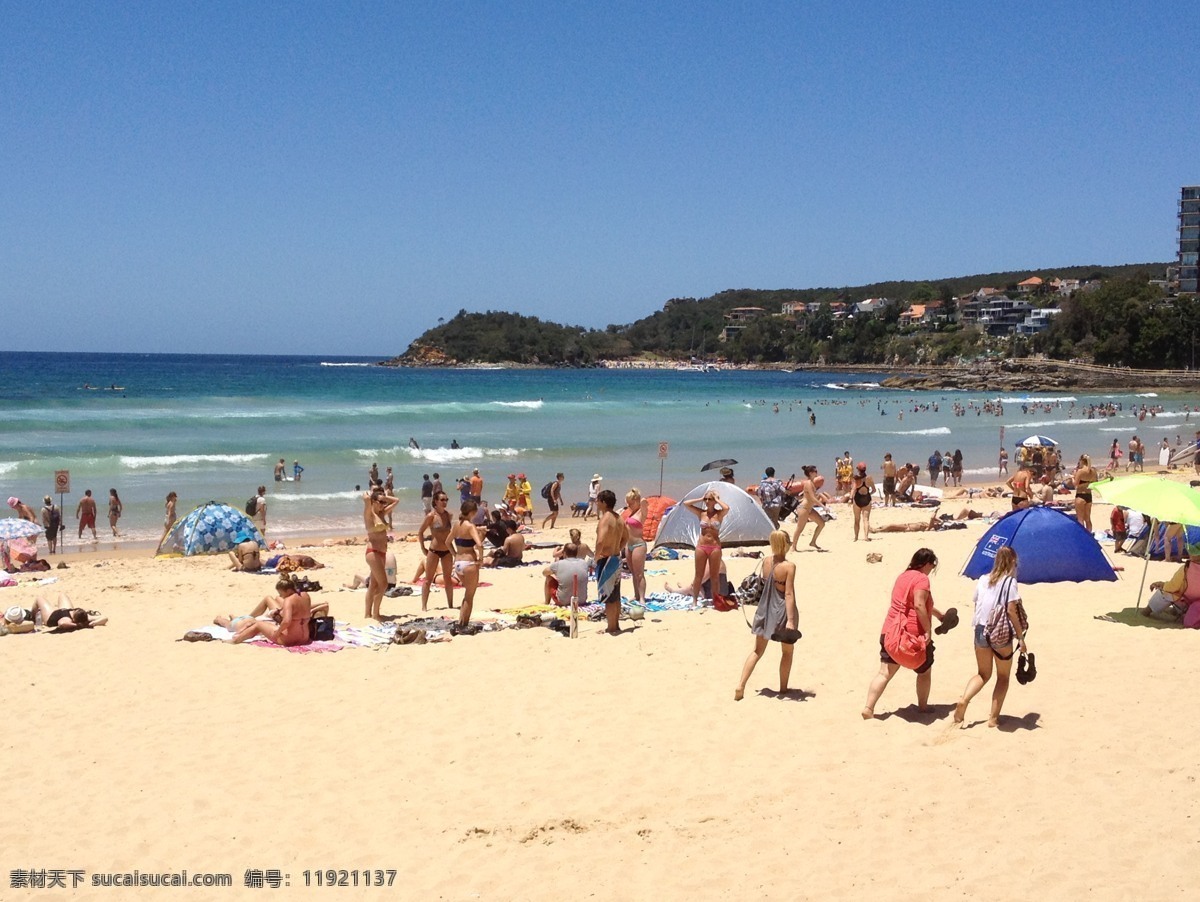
1189,237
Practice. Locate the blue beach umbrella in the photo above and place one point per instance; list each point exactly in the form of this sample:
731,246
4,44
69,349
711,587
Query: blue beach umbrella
1051,547
1039,441
16,528
211,528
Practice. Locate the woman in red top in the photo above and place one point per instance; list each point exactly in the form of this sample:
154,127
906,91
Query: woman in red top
911,611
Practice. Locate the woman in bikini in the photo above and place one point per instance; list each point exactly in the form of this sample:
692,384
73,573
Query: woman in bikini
862,491
115,509
776,612
292,627
1085,475
169,514
711,511
807,512
468,554
636,509
64,618
434,537
377,507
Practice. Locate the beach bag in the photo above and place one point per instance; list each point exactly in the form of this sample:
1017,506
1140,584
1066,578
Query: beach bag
320,629
751,589
999,630
905,648
546,490
252,506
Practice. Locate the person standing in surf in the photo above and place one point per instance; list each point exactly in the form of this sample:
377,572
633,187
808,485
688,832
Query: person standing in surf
611,537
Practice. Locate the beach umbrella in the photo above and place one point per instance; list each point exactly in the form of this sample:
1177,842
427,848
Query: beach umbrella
717,464
1051,548
16,528
1039,441
212,528
1162,499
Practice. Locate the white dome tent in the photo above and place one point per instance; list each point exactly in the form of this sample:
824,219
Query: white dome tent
745,524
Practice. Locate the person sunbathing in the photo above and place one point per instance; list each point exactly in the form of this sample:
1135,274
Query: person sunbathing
270,606
935,522
65,618
292,626
389,567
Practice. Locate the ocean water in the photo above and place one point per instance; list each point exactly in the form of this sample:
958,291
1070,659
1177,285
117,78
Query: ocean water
212,427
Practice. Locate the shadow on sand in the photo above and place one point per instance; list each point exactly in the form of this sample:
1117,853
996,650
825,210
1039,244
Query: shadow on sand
792,695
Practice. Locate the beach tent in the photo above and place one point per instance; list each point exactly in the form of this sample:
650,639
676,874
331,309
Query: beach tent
212,528
1051,547
745,524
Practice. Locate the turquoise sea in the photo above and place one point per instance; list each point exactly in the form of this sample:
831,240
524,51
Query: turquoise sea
212,427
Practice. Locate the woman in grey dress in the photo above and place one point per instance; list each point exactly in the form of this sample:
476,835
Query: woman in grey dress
776,611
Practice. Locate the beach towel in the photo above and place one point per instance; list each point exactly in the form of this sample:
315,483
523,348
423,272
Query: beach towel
608,576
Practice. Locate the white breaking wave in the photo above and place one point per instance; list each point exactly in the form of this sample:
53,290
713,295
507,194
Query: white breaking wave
175,460
329,363
937,430
7,466
288,497
1029,400
1148,394
527,405
444,455
842,386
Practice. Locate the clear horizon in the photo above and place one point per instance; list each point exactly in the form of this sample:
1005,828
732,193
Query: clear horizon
308,179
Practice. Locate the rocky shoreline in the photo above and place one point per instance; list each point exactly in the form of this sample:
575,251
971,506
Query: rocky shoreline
1011,375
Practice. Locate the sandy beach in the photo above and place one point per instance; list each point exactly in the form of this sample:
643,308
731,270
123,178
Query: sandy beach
521,764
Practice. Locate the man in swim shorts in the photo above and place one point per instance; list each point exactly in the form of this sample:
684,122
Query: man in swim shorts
85,512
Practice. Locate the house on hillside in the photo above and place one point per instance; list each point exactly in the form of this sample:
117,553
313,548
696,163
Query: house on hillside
1001,315
1033,283
1037,320
738,318
913,315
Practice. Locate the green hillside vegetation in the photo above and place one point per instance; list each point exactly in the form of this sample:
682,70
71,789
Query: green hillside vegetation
1123,321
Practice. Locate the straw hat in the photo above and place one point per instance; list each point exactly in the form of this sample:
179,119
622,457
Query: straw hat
15,614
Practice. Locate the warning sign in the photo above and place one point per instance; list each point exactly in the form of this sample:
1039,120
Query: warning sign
663,447
62,482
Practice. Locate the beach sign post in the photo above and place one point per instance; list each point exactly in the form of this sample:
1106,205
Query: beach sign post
575,606
62,485
663,448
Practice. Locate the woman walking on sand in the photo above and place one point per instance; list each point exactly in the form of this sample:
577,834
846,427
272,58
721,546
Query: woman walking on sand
468,555
807,511
636,510
434,538
711,512
996,588
115,508
377,507
862,493
907,635
776,617
1085,475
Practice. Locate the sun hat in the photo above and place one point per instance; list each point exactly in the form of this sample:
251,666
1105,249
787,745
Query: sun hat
512,475
46,500
520,476
596,476
14,500
15,614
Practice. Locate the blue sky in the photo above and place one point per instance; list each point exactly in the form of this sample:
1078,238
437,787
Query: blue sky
330,178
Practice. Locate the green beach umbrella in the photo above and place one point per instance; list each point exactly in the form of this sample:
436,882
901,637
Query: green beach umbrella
1154,496
1161,499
